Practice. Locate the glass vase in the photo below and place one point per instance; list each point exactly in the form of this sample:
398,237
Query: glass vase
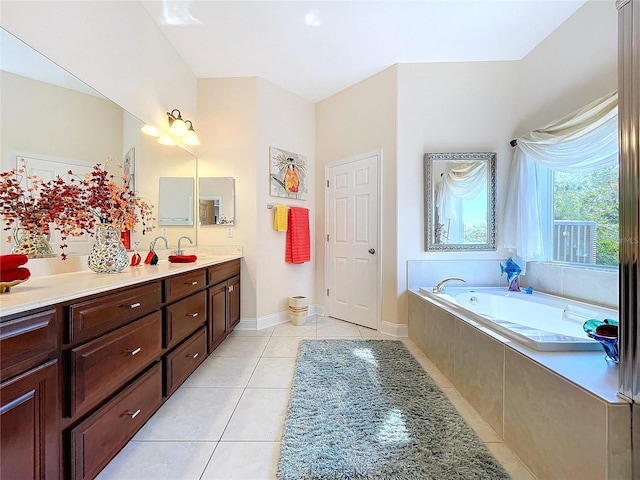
107,254
32,243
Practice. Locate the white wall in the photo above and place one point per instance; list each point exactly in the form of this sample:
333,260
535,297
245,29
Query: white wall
287,122
449,107
115,47
240,119
359,120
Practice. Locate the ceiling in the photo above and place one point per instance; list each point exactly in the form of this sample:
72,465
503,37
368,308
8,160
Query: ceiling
317,48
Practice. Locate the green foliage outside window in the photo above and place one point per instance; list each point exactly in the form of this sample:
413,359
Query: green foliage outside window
591,197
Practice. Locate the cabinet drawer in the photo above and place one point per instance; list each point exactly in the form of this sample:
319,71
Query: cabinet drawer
185,359
96,441
100,367
223,271
94,317
184,317
26,342
183,285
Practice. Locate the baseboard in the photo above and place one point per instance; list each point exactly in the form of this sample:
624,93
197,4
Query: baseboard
253,323
394,329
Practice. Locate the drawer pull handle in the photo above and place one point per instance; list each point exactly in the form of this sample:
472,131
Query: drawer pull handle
134,305
194,356
134,414
134,352
192,315
191,283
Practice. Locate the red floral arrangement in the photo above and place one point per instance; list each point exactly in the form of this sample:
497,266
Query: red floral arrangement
73,206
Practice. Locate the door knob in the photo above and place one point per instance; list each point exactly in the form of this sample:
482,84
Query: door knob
372,251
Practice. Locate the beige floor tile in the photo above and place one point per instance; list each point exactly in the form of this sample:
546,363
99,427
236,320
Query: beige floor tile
259,416
283,346
223,372
510,462
239,346
291,330
192,414
273,373
159,461
337,328
244,461
370,334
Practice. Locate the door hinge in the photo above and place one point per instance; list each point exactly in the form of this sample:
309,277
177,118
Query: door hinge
327,183
327,237
327,292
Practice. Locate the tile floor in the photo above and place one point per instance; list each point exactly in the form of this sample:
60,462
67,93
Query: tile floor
226,421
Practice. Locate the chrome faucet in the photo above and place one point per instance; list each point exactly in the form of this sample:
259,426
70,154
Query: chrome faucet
180,251
154,256
441,286
153,243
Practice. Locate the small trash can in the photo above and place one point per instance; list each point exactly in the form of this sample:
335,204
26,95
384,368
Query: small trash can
298,309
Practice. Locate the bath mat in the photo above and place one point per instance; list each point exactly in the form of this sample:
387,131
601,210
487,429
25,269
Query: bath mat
365,409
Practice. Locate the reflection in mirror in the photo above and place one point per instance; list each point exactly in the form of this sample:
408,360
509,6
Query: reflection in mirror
216,201
70,123
175,206
460,191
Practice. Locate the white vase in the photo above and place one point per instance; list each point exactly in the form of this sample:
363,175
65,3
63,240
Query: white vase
298,309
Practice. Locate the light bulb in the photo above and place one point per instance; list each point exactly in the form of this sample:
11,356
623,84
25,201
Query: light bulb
179,127
191,138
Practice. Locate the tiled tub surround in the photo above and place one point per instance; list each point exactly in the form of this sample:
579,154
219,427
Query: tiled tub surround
558,411
539,321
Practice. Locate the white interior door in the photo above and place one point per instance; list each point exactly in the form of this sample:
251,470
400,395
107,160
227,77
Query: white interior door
352,227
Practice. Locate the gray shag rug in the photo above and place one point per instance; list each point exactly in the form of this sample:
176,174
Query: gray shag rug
365,409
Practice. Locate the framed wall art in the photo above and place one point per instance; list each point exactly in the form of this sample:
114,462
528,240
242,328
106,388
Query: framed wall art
288,174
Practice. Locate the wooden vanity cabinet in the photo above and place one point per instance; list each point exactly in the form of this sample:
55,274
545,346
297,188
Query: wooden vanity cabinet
78,380
29,400
224,302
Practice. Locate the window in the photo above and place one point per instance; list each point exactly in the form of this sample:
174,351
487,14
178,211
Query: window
585,217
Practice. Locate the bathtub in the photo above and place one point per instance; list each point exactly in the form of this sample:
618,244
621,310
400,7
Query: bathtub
538,321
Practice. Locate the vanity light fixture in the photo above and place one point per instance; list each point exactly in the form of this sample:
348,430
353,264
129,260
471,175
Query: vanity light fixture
176,124
190,137
179,130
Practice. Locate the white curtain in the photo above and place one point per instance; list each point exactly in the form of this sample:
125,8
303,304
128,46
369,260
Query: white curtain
460,183
582,141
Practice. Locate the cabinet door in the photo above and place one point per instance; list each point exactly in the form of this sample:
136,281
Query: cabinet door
29,416
233,302
217,321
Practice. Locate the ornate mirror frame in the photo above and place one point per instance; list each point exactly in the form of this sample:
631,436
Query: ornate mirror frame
430,202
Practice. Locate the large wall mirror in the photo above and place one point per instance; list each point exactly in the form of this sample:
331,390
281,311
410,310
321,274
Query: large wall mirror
52,117
460,201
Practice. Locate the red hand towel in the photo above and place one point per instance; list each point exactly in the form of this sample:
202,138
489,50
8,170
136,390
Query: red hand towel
298,248
182,258
14,274
12,260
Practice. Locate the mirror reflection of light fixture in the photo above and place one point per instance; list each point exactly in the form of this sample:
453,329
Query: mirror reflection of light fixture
165,140
149,130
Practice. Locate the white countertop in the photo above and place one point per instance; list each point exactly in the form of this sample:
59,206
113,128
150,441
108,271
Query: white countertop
44,290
